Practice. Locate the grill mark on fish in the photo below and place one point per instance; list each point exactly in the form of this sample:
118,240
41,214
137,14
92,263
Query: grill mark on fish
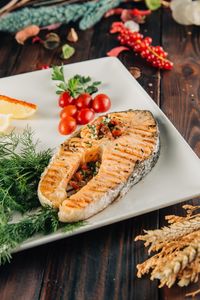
131,151
116,159
135,151
129,159
104,183
141,133
123,177
145,129
113,180
99,190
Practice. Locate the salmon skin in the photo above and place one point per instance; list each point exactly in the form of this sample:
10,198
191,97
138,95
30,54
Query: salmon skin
125,147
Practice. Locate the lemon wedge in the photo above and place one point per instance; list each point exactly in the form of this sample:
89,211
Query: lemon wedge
17,108
5,120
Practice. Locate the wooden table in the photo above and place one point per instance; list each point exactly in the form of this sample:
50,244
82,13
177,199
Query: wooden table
102,264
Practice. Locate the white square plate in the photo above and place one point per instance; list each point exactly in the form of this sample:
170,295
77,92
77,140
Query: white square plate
176,176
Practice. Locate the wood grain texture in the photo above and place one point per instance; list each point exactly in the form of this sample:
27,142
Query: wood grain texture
180,101
101,264
9,51
181,86
98,265
22,278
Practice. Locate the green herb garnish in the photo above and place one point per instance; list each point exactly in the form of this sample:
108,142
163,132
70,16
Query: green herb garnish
75,85
106,120
20,168
93,130
89,144
21,165
43,221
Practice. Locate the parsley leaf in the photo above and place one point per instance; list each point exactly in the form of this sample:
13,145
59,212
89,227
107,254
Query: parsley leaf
75,85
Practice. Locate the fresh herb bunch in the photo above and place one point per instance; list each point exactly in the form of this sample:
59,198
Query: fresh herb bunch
20,168
43,221
21,165
75,85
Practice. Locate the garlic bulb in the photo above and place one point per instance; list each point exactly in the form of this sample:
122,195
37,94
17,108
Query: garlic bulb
186,12
132,25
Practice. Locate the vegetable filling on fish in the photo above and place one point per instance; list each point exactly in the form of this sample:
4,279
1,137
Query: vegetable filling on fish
82,176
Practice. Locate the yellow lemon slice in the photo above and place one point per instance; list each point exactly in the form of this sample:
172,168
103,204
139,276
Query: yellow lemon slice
5,121
18,108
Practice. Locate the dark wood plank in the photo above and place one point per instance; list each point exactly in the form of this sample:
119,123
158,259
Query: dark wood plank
180,102
22,278
98,265
180,87
9,51
32,56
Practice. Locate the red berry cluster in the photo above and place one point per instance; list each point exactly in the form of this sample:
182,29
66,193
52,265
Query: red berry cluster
155,55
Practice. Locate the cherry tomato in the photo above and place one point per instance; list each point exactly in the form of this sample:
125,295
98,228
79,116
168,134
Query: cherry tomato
101,103
85,167
69,110
84,116
65,99
67,125
116,132
83,101
74,184
79,176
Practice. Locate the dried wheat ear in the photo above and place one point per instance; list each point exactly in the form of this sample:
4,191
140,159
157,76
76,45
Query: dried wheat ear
178,250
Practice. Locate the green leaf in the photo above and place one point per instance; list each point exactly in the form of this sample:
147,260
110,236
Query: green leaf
84,80
62,86
77,76
75,85
67,51
58,92
91,89
43,221
96,83
73,226
57,73
153,4
20,168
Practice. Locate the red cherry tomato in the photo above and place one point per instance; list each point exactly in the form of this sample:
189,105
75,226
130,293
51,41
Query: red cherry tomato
74,184
83,101
69,110
101,103
79,176
84,116
65,99
116,132
84,167
67,125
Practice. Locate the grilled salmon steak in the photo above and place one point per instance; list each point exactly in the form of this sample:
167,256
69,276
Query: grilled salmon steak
100,163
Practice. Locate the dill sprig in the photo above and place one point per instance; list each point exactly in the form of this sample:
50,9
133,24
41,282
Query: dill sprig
21,165
43,221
